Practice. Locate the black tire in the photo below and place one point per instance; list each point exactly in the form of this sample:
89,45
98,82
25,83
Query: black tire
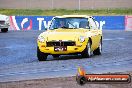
4,29
55,56
98,51
81,80
87,51
41,56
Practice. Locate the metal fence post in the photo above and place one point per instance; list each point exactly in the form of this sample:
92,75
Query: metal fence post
78,4
52,4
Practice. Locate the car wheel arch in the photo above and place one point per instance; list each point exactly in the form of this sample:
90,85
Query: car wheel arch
89,40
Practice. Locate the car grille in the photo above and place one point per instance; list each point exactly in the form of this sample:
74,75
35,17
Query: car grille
2,22
60,43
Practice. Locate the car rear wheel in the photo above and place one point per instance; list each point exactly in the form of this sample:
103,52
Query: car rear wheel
87,51
41,56
55,56
98,51
4,29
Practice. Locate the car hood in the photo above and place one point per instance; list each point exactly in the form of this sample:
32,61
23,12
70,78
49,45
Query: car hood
64,34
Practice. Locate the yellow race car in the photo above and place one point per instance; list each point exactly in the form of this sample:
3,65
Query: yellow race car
70,34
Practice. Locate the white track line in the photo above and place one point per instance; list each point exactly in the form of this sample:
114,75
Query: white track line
110,39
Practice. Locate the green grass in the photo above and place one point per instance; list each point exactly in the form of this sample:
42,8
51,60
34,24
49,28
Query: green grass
65,12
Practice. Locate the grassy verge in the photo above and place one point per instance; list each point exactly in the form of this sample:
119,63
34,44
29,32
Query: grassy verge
65,12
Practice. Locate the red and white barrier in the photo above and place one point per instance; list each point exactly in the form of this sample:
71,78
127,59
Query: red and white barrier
128,23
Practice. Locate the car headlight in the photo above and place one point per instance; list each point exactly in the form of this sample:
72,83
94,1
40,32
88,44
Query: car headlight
41,38
82,38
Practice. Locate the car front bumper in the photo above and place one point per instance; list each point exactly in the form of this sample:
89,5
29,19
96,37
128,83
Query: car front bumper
4,26
70,49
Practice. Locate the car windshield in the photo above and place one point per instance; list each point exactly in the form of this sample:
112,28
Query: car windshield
69,23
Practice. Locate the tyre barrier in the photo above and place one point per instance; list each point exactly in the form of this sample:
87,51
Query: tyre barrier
42,22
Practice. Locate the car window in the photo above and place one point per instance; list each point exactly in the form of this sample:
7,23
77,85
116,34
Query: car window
70,23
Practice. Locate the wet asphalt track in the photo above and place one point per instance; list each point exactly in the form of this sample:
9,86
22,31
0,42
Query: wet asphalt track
18,59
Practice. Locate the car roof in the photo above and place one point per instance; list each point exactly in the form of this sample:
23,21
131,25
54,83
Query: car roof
68,16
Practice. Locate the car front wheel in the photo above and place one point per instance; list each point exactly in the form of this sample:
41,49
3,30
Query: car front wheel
4,29
41,56
87,51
